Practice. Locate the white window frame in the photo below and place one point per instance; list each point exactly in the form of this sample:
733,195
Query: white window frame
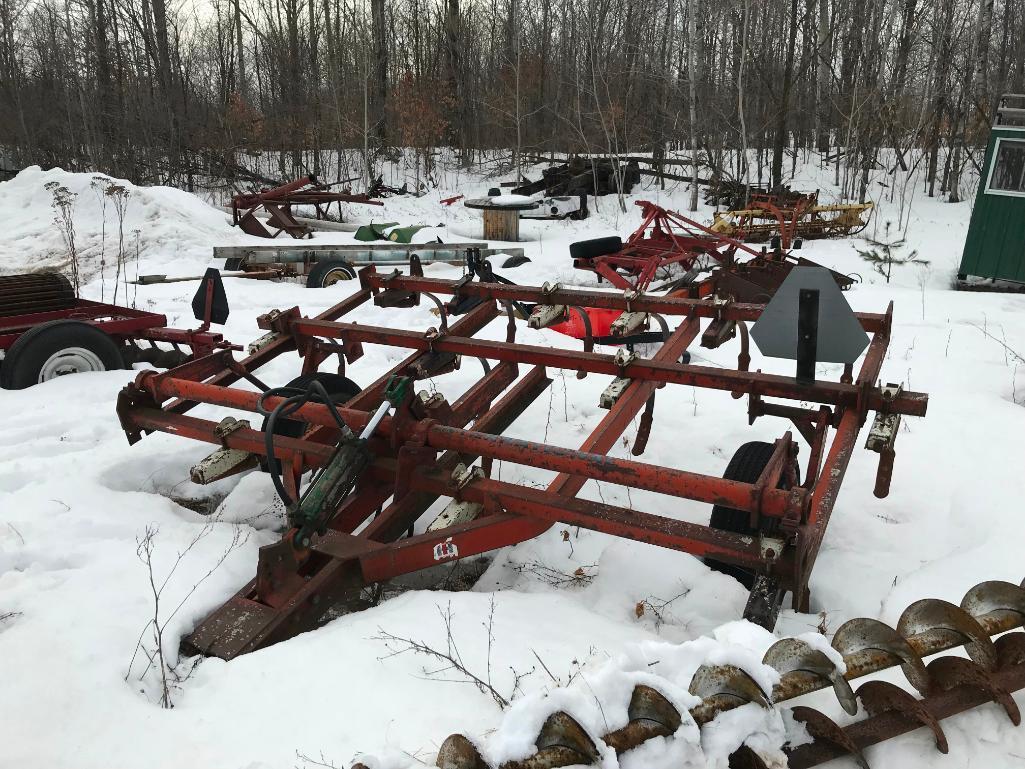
993,164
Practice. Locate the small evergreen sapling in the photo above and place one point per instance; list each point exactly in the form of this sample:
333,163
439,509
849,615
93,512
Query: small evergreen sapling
882,256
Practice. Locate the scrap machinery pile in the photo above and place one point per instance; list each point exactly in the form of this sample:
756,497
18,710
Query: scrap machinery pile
947,684
278,202
789,217
667,242
352,527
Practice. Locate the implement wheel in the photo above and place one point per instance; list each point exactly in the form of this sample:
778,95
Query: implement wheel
340,388
55,349
746,466
325,274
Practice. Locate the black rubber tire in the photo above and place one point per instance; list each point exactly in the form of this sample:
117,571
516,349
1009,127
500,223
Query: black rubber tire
234,263
589,249
327,273
746,465
340,388
27,356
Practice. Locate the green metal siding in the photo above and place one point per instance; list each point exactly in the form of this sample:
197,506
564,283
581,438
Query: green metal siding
995,247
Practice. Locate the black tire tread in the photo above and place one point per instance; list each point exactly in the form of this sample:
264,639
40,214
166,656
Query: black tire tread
595,247
745,466
319,271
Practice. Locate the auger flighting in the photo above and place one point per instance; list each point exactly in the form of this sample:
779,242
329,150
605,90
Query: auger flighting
947,685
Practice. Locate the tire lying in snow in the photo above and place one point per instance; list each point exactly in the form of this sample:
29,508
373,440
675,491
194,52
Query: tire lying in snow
746,466
55,349
589,249
324,274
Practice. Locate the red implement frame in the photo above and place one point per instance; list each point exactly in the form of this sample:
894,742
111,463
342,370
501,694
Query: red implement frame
122,323
420,452
278,202
663,239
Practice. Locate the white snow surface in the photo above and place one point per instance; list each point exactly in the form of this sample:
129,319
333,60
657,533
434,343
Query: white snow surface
75,499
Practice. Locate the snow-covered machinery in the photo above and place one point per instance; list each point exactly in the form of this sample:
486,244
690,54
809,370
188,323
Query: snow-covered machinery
948,685
278,202
669,244
797,216
47,331
358,522
559,207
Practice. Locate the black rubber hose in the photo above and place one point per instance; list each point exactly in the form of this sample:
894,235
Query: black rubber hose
295,399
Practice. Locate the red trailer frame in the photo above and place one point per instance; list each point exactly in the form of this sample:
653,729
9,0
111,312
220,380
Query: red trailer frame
425,450
123,324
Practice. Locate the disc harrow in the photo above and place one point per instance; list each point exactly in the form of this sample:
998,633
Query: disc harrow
948,685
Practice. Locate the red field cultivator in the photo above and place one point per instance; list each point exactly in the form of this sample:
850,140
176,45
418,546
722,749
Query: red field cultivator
666,243
377,475
46,331
664,240
948,685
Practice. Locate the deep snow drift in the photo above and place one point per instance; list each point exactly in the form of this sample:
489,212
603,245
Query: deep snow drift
75,500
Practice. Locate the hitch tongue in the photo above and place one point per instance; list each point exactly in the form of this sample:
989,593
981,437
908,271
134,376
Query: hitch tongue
881,439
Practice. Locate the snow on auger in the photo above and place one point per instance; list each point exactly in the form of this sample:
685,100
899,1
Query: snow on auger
948,685
351,528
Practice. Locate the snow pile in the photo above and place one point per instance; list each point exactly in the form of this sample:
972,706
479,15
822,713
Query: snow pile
159,223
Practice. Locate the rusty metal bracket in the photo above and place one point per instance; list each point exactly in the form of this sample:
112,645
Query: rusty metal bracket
881,439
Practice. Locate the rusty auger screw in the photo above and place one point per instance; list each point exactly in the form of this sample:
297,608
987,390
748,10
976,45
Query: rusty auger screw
949,685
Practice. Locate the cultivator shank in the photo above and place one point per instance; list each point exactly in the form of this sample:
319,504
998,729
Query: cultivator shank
948,685
428,449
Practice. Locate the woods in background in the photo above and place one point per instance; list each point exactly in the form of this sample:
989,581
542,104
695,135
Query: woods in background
159,93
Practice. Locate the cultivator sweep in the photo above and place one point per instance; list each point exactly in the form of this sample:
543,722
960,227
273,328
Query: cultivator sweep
948,685
352,527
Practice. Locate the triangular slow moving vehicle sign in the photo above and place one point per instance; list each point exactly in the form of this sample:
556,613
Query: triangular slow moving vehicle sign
840,337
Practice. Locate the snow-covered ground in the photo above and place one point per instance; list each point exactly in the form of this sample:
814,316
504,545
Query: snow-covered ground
75,500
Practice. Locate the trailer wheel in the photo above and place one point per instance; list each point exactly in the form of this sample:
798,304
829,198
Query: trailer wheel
55,349
589,249
328,273
746,465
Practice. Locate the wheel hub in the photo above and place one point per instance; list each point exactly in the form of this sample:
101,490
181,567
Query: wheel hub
335,276
71,360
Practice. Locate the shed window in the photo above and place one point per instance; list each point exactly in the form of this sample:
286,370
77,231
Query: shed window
1007,175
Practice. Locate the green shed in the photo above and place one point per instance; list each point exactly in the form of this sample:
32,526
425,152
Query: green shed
995,247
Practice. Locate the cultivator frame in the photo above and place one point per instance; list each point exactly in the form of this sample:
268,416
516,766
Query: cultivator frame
425,451
663,239
948,685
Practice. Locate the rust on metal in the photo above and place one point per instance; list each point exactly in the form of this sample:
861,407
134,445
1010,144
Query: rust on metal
417,447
